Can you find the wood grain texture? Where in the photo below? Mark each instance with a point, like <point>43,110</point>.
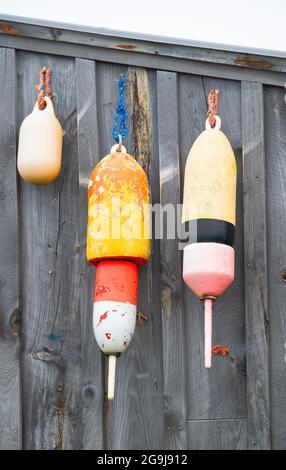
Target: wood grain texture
<point>134,420</point>
<point>255,263</point>
<point>223,434</point>
<point>174,366</point>
<point>219,392</point>
<point>10,399</point>
<point>91,356</point>
<point>50,275</point>
<point>275,139</point>
<point>160,62</point>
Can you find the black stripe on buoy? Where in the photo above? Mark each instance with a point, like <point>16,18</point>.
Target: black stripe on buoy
<point>211,230</point>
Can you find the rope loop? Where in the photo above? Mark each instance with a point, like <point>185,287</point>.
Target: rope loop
<point>121,115</point>
<point>44,84</point>
<point>212,107</point>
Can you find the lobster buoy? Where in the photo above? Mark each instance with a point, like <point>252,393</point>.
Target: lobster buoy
<point>209,206</point>
<point>118,240</point>
<point>40,145</point>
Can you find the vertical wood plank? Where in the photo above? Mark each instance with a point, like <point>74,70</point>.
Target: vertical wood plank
<point>218,434</point>
<point>50,275</point>
<point>134,420</point>
<point>255,255</point>
<point>91,357</point>
<point>10,408</point>
<point>144,144</point>
<point>275,146</point>
<point>174,373</point>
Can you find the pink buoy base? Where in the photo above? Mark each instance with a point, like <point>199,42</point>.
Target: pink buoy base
<point>208,268</point>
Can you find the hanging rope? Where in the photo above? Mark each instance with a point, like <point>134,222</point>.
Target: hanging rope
<point>212,106</point>
<point>44,83</point>
<point>120,114</point>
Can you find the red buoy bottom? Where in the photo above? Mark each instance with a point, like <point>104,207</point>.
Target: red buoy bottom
<point>115,299</point>
<point>116,280</point>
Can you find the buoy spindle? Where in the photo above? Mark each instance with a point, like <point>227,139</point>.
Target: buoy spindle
<point>111,376</point>
<point>208,333</point>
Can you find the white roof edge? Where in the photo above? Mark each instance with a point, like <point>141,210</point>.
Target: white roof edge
<point>142,36</point>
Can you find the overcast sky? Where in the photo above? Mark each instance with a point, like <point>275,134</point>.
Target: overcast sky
<point>251,23</point>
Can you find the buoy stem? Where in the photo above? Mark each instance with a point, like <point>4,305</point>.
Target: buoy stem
<point>208,333</point>
<point>111,376</point>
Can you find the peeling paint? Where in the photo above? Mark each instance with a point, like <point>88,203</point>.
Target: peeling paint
<point>102,290</point>
<point>102,317</point>
<point>118,218</point>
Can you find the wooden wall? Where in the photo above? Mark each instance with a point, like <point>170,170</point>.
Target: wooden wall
<point>52,375</point>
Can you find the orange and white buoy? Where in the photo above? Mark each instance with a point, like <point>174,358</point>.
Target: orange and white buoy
<point>209,206</point>
<point>118,240</point>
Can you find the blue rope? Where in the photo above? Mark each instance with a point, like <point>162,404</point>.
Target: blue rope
<point>120,113</point>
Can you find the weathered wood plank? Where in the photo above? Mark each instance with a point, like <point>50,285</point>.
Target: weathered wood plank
<point>219,392</point>
<point>255,254</point>
<point>50,275</point>
<point>275,140</point>
<point>91,357</point>
<point>173,327</point>
<point>224,434</point>
<point>129,57</point>
<point>135,417</point>
<point>145,44</point>
<point>10,399</point>
<point>144,144</point>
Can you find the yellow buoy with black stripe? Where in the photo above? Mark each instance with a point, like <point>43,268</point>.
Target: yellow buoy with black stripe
<point>209,206</point>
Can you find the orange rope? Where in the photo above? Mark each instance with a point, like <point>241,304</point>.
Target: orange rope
<point>45,73</point>
<point>212,106</point>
